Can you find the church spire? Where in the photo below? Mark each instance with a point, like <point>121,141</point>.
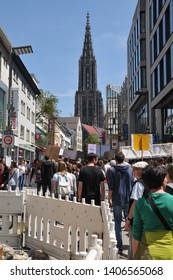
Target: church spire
<point>88,100</point>
<point>88,49</point>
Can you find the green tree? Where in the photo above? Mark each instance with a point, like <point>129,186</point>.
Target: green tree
<point>49,106</point>
<point>91,139</point>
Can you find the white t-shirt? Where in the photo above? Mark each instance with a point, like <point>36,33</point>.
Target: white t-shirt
<point>137,191</point>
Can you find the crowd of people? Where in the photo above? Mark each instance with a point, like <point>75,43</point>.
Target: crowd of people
<point>140,193</point>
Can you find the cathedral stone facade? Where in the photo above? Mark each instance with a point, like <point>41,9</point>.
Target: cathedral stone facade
<point>88,100</point>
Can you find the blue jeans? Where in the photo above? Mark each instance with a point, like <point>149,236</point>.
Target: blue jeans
<point>13,188</point>
<point>21,182</point>
<point>117,210</point>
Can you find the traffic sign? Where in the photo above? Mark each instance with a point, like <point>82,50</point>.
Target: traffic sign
<point>114,144</point>
<point>8,141</point>
<point>8,132</point>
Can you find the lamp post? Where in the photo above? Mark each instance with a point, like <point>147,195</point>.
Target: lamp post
<point>15,51</point>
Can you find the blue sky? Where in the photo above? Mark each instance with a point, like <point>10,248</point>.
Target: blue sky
<point>56,30</point>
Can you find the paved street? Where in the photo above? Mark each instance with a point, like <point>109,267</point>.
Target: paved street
<point>125,243</point>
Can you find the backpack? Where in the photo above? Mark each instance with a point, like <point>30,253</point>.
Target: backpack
<point>63,184</point>
<point>38,175</point>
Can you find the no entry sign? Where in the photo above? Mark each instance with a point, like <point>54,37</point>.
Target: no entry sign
<point>8,141</point>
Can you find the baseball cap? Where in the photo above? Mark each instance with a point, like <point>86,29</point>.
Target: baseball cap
<point>140,164</point>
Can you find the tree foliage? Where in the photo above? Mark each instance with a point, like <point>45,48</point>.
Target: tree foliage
<point>91,139</point>
<point>49,106</point>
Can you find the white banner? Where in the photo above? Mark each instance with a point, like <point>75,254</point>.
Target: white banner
<point>92,148</point>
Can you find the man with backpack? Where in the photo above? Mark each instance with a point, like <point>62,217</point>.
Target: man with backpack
<point>120,181</point>
<point>48,169</point>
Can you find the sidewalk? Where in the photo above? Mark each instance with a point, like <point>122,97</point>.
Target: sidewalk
<point>124,254</point>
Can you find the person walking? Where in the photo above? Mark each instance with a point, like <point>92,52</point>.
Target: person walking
<point>169,186</point>
<point>13,179</point>
<point>91,182</point>
<point>4,174</point>
<point>153,218</point>
<point>22,169</point>
<point>138,190</point>
<point>61,181</point>
<point>33,167</point>
<point>37,176</point>
<point>120,180</point>
<point>48,169</point>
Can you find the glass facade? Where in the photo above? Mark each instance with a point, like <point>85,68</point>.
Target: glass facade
<point>113,116</point>
<point>168,121</point>
<point>141,116</point>
<point>157,34</point>
<point>136,55</point>
<point>163,73</point>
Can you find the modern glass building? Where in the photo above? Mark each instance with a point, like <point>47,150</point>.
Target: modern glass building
<point>113,110</point>
<point>150,69</point>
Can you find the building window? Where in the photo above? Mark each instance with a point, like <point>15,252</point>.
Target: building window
<point>5,62</point>
<point>171,16</point>
<point>22,108</point>
<point>168,65</point>
<point>167,23</point>
<point>141,116</point>
<point>27,135</point>
<point>143,49</point>
<point>158,75</point>
<point>143,77</point>
<point>15,76</point>
<point>158,41</point>
<point>171,61</point>
<point>152,86</point>
<point>28,113</point>
<point>29,94</point>
<point>164,70</point>
<point>155,46</point>
<point>23,87</point>
<point>32,138</point>
<point>22,131</point>
<point>33,117</point>
<point>161,35</point>
<point>154,83</point>
<point>161,75</point>
<point>142,22</point>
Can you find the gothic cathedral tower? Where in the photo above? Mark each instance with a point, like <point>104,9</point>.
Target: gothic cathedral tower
<point>88,100</point>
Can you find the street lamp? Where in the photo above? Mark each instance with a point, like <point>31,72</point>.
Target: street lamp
<point>22,50</point>
<point>14,51</point>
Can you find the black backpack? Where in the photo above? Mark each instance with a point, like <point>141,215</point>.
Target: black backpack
<point>38,175</point>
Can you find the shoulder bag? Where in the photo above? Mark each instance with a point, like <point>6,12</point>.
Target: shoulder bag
<point>156,210</point>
